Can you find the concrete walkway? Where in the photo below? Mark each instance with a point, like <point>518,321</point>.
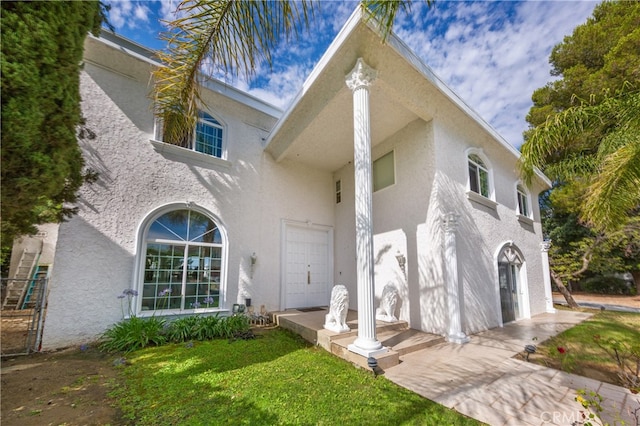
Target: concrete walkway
<point>481,379</point>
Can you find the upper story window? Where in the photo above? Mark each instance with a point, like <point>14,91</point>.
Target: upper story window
<point>478,176</point>
<point>338,191</point>
<point>182,263</point>
<point>523,201</point>
<point>207,137</point>
<point>384,173</point>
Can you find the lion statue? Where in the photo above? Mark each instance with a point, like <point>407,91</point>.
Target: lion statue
<point>388,302</point>
<point>336,319</point>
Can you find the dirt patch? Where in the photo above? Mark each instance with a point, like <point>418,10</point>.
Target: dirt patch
<point>15,330</point>
<point>599,372</point>
<point>67,387</point>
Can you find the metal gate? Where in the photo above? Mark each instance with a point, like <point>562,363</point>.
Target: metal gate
<point>22,315</point>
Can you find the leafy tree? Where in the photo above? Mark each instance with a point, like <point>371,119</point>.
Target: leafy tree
<point>42,167</point>
<point>233,36</point>
<point>585,135</point>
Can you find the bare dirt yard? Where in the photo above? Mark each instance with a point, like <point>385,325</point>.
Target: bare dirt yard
<point>71,387</point>
<point>68,387</point>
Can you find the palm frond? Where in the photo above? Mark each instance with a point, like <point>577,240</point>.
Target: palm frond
<point>386,11</point>
<point>615,190</point>
<point>233,36</point>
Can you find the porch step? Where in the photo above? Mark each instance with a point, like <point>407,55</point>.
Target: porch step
<point>397,336</point>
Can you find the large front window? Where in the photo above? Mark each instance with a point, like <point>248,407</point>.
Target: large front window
<point>183,262</point>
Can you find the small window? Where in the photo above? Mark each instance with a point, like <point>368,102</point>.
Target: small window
<point>384,172</point>
<point>523,202</point>
<point>478,176</point>
<point>206,138</point>
<point>338,191</point>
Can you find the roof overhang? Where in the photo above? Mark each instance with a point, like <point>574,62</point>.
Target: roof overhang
<point>317,128</point>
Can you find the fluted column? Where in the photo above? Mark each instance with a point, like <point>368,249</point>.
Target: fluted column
<point>359,80</point>
<point>450,224</point>
<point>546,275</point>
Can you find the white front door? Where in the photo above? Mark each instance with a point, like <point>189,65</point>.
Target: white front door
<point>307,271</point>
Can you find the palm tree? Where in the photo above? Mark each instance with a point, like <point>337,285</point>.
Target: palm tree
<point>595,147</point>
<point>233,36</point>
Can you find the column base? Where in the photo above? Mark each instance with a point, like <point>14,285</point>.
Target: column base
<point>459,338</point>
<point>367,352</point>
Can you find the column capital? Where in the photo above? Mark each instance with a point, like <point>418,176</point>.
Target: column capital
<point>361,75</point>
<point>545,245</point>
<point>450,222</point>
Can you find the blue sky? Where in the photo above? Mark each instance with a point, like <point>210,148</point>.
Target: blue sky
<point>493,54</point>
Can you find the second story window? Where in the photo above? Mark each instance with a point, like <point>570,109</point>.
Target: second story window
<point>208,135</point>
<point>478,176</point>
<point>523,202</point>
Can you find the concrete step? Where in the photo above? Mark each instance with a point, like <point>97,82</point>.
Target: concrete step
<point>408,340</point>
<point>396,336</point>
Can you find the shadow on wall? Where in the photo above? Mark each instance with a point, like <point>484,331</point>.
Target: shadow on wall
<point>90,272</point>
<point>476,271</point>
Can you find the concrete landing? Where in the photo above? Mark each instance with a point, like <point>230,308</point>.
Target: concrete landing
<point>397,336</point>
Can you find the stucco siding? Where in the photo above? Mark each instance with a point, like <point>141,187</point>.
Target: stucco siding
<point>484,228</point>
<point>98,249</point>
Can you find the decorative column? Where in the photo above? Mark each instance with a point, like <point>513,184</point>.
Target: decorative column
<point>546,275</point>
<point>450,223</point>
<point>359,80</point>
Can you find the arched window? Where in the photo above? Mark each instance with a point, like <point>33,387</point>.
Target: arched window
<point>479,176</point>
<point>207,137</point>
<point>183,263</point>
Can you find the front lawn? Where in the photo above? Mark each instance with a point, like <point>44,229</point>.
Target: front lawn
<point>589,348</point>
<point>275,379</point>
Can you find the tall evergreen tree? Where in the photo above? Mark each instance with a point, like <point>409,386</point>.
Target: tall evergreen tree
<point>42,166</point>
<point>585,135</point>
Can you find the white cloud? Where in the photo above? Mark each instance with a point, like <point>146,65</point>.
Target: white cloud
<point>493,54</point>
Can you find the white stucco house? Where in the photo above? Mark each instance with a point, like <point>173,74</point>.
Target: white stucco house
<point>376,173</point>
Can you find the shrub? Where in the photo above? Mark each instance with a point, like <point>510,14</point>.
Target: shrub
<point>133,333</point>
<point>207,328</point>
<point>182,329</point>
<point>136,333</point>
<point>606,285</point>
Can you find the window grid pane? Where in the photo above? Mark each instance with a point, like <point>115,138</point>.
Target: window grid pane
<point>194,266</point>
<point>209,139</point>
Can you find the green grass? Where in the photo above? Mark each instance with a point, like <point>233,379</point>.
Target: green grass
<point>582,354</point>
<point>275,379</point>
